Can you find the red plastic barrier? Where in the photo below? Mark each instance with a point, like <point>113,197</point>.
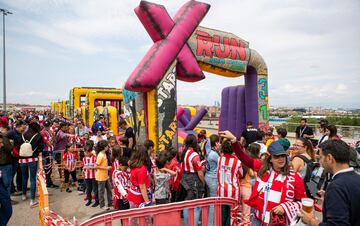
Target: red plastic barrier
<point>167,214</point>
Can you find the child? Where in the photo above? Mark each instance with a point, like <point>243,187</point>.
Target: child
<point>102,174</point>
<point>161,179</point>
<point>139,191</point>
<point>121,178</point>
<point>115,157</point>
<point>229,173</point>
<point>173,165</point>
<point>149,145</point>
<point>70,159</point>
<point>88,164</point>
<point>269,138</point>
<point>281,133</point>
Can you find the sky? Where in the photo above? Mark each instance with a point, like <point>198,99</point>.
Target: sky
<point>311,48</point>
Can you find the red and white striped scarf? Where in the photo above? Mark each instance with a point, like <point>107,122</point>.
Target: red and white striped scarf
<point>286,191</point>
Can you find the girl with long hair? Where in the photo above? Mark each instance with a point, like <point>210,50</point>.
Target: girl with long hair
<point>139,193</point>
<point>193,178</point>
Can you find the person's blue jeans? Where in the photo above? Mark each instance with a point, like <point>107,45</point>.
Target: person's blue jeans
<point>6,172</point>
<point>256,222</point>
<point>197,212</point>
<point>5,205</point>
<point>25,169</point>
<point>212,185</point>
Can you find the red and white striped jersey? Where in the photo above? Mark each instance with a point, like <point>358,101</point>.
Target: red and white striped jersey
<point>70,160</point>
<point>47,139</point>
<point>115,165</point>
<point>86,163</point>
<point>54,129</point>
<point>121,180</point>
<point>191,163</point>
<point>229,173</point>
<point>27,160</point>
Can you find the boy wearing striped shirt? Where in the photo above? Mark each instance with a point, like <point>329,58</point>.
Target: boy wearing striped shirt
<point>88,164</point>
<point>70,159</point>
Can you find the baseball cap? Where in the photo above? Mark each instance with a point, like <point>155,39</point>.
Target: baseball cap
<point>275,148</point>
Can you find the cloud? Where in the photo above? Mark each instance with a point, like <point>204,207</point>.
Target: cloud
<point>311,47</point>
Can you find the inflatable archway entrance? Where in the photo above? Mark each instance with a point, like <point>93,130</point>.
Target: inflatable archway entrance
<point>92,96</point>
<point>77,92</point>
<point>182,49</point>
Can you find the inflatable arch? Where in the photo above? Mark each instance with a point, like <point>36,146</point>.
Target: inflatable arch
<point>77,92</point>
<point>181,50</point>
<point>92,96</point>
<point>111,118</point>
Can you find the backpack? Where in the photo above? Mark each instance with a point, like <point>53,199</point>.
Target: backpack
<point>26,148</point>
<point>314,177</point>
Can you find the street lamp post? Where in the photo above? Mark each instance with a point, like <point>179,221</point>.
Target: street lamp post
<point>4,12</point>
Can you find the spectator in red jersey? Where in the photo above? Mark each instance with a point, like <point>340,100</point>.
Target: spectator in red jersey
<point>139,192</point>
<point>70,158</point>
<point>174,165</point>
<point>55,126</point>
<point>88,164</point>
<point>229,173</point>
<point>278,192</point>
<point>193,178</point>
<point>48,139</point>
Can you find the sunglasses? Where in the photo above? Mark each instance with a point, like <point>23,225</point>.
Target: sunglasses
<point>279,156</point>
<point>298,146</point>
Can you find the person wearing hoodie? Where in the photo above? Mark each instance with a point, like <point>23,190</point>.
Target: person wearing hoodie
<point>30,163</point>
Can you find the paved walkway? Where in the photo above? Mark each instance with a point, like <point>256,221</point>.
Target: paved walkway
<point>65,204</point>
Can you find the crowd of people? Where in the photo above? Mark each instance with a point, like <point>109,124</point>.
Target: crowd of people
<point>268,175</point>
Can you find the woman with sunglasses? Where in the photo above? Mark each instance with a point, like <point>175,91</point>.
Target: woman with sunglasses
<point>304,152</point>
<point>278,191</point>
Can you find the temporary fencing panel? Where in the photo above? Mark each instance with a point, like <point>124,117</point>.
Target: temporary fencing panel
<point>167,214</point>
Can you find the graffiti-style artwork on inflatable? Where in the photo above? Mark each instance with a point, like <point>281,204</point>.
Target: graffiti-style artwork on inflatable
<point>181,50</point>
<point>134,113</point>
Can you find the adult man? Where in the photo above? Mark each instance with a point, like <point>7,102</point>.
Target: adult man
<point>342,197</point>
<point>48,139</point>
<point>129,133</point>
<point>61,142</point>
<point>248,136</point>
<point>14,136</point>
<point>324,136</point>
<point>5,202</point>
<point>304,130</point>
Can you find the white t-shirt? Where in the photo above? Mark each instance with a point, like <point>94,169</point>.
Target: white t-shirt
<point>96,140</point>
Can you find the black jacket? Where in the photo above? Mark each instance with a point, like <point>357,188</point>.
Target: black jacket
<point>342,200</point>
